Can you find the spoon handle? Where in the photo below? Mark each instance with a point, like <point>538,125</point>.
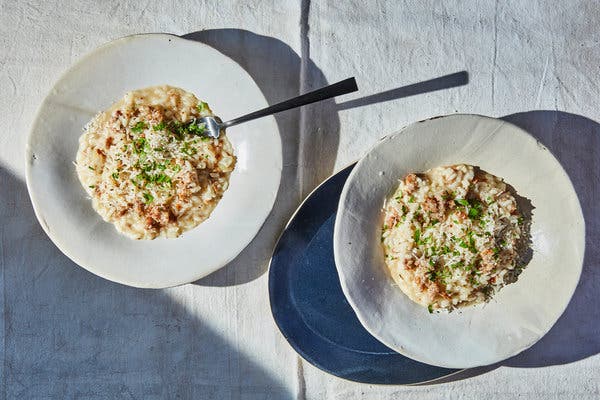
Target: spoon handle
<point>337,89</point>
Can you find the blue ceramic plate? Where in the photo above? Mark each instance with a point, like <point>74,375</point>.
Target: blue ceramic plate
<point>310,308</point>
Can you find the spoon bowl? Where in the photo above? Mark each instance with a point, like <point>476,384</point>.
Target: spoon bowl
<point>212,126</point>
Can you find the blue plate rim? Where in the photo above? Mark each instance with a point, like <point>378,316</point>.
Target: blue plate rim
<point>299,351</point>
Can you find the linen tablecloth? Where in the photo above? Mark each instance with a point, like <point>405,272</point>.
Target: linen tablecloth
<point>66,333</point>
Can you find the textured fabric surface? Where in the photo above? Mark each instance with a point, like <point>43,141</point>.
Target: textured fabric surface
<point>66,333</point>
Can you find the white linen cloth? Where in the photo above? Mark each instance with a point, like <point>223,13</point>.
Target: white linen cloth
<point>66,333</point>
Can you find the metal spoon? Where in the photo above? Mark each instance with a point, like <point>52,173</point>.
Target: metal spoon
<point>214,125</point>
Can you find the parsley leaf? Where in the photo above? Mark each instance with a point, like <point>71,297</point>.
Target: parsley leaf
<point>140,145</point>
<point>202,107</point>
<point>475,209</point>
<point>148,198</point>
<point>432,275</point>
<point>159,127</point>
<point>417,236</point>
<point>140,126</point>
<point>196,129</point>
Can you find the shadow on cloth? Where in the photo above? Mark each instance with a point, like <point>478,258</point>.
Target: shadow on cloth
<point>575,142</point>
<point>309,140</point>
<point>276,69</point>
<point>70,334</point>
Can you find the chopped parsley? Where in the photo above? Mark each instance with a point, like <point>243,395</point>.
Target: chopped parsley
<point>186,149</point>
<point>433,250</point>
<point>430,308</point>
<point>140,145</point>
<point>432,275</point>
<point>472,246</point>
<point>444,274</point>
<point>473,207</point>
<point>92,186</point>
<point>159,127</point>
<point>417,236</point>
<point>162,178</point>
<point>115,175</point>
<point>475,210</point>
<point>180,129</point>
<point>92,168</point>
<point>138,127</point>
<point>148,198</point>
<point>448,195</point>
<point>411,199</point>
<point>196,129</point>
<point>202,107</point>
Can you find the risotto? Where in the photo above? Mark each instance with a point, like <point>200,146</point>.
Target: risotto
<point>148,166</point>
<point>451,236</point>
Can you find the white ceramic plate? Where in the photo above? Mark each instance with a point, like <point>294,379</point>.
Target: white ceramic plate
<point>521,313</point>
<point>92,85</point>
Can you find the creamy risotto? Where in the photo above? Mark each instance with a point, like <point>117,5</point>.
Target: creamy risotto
<point>148,166</point>
<point>451,236</point>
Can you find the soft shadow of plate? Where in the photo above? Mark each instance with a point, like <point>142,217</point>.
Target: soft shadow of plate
<point>311,311</point>
<point>92,85</point>
<point>521,313</point>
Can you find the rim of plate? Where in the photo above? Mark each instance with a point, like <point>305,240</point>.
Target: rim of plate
<point>336,234</point>
<point>303,354</point>
<point>28,166</point>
